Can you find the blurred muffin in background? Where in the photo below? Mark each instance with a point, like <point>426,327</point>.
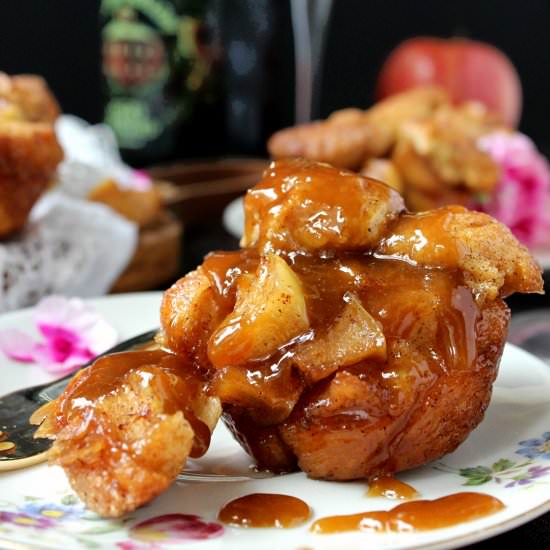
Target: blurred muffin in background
<point>141,206</point>
<point>439,158</point>
<point>350,136</point>
<point>29,151</point>
<point>435,153</point>
<point>416,141</point>
<point>156,260</point>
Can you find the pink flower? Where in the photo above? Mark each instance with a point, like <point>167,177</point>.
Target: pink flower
<point>522,197</point>
<point>140,180</point>
<point>74,333</point>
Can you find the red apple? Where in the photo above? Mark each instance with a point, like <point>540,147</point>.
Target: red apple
<point>467,69</point>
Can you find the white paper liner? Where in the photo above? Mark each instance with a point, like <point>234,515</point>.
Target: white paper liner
<point>70,246</point>
<point>91,156</point>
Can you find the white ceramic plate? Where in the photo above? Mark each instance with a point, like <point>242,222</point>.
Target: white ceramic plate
<point>542,257</point>
<point>233,217</point>
<point>39,510</point>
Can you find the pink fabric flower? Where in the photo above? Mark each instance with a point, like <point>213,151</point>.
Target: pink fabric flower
<point>522,197</point>
<point>74,333</point>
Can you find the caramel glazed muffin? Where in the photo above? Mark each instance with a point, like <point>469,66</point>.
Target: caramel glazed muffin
<point>29,151</point>
<point>347,337</point>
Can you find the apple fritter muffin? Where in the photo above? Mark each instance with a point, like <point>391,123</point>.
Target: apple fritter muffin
<point>348,337</point>
<point>350,136</point>
<point>29,151</point>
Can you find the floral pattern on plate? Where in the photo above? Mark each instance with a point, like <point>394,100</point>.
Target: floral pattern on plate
<point>68,519</point>
<point>509,472</point>
<point>534,448</point>
<point>71,519</point>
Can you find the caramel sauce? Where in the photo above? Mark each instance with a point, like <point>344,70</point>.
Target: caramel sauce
<point>422,237</point>
<point>224,269</point>
<point>174,379</point>
<point>325,212</point>
<point>265,510</point>
<point>419,515</point>
<point>428,317</point>
<point>262,442</point>
<point>393,292</point>
<point>391,488</point>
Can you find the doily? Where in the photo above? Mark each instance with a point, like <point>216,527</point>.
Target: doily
<point>70,246</point>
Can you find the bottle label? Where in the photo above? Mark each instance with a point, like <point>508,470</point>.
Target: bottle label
<point>152,68</point>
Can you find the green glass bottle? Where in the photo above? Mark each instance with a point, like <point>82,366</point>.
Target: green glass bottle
<point>154,70</point>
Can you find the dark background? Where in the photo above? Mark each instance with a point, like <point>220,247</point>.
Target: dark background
<point>60,40</point>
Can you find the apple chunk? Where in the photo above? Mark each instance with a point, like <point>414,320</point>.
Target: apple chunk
<point>190,313</point>
<point>355,335</point>
<point>270,310</point>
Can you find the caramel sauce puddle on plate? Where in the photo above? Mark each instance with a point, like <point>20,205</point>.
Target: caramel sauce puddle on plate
<point>391,488</point>
<point>265,510</point>
<point>419,515</point>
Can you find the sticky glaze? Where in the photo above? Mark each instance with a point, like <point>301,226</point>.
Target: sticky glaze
<point>391,488</point>
<point>433,309</point>
<point>174,379</point>
<point>419,515</point>
<point>265,510</point>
